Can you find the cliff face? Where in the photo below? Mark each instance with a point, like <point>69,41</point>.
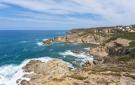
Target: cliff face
<point>113,47</point>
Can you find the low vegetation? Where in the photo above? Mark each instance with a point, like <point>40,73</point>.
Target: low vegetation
<point>132,44</point>
<point>128,35</point>
<point>77,76</point>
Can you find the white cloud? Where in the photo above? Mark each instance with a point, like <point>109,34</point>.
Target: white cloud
<point>112,11</point>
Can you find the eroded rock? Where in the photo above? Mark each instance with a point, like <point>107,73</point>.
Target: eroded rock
<point>44,72</point>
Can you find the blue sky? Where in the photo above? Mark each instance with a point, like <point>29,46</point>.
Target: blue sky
<point>64,14</point>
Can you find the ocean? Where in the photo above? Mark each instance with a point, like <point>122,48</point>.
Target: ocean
<point>18,47</point>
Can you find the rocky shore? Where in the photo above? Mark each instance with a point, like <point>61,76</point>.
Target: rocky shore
<point>92,35</point>
<point>113,64</point>
<point>56,72</point>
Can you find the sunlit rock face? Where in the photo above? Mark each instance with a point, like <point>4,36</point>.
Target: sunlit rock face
<point>43,73</point>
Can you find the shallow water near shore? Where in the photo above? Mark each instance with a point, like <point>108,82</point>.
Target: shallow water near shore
<point>19,47</point>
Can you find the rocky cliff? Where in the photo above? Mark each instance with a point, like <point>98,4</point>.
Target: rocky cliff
<point>113,64</point>
<point>92,35</point>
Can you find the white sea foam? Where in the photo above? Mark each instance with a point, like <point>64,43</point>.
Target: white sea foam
<point>40,44</point>
<point>44,39</point>
<point>9,74</point>
<point>82,56</point>
<point>87,48</point>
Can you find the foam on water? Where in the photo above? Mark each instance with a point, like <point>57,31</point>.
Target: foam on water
<point>9,74</point>
<point>82,56</point>
<point>87,49</point>
<point>40,43</point>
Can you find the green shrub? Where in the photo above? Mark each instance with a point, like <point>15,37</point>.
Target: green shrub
<point>128,35</point>
<point>132,44</point>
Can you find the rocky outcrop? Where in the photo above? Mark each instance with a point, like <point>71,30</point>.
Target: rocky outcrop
<point>91,35</point>
<point>56,72</point>
<point>83,37</point>
<point>44,73</point>
<point>99,52</point>
<point>48,41</point>
<point>121,51</point>
<point>119,42</point>
<point>111,48</point>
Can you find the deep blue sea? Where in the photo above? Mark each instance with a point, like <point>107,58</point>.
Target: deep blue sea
<point>17,46</point>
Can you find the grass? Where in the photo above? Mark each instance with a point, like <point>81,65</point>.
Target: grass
<point>124,35</point>
<point>128,35</point>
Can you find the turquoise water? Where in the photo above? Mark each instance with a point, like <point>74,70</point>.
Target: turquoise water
<point>17,46</point>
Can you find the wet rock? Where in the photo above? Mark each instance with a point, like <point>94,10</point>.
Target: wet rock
<point>24,82</point>
<point>48,41</point>
<point>60,39</point>
<point>76,51</point>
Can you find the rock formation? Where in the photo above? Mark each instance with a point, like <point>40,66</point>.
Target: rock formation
<point>113,64</point>
<point>92,35</point>
<point>45,73</point>
<point>56,72</point>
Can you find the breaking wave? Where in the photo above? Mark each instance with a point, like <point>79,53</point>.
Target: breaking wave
<point>40,44</point>
<point>81,56</point>
<point>9,74</point>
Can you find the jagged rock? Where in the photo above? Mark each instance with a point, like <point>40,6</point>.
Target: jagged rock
<point>99,51</point>
<point>60,39</point>
<point>56,72</point>
<point>47,42</point>
<point>121,51</point>
<point>24,82</point>
<point>115,47</point>
<point>44,72</point>
<point>118,43</point>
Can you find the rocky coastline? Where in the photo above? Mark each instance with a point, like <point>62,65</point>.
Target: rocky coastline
<point>113,64</point>
<point>92,35</point>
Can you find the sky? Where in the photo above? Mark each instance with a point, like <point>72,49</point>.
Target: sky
<point>64,14</point>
